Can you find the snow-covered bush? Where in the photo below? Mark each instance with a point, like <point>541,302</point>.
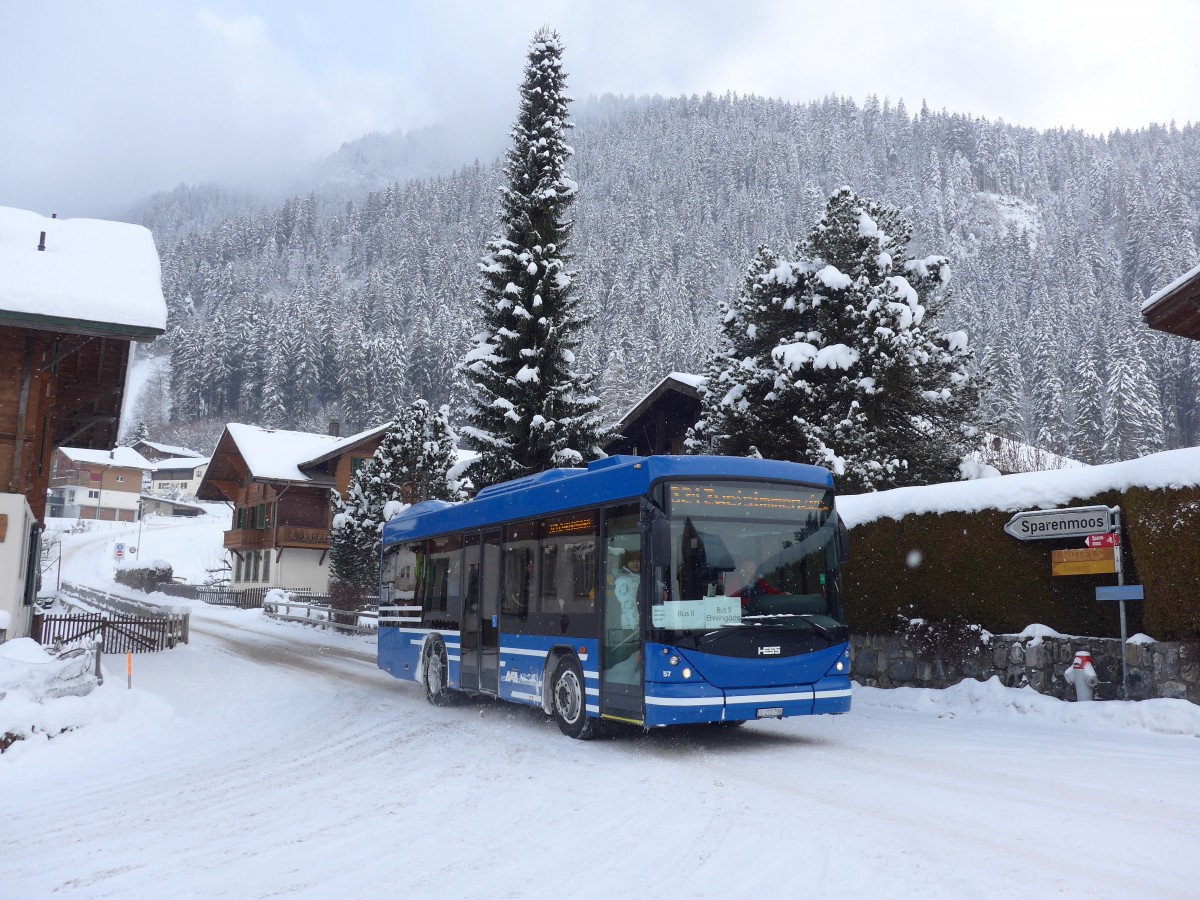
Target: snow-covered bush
<point>145,576</point>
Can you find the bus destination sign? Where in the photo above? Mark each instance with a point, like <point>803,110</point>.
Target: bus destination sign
<point>1049,524</point>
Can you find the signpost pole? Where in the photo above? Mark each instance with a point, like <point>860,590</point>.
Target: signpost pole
<point>1120,583</point>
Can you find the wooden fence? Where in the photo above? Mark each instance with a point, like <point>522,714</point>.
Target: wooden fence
<point>251,598</point>
<point>117,634</point>
<point>123,625</point>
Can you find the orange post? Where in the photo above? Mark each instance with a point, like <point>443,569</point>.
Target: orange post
<point>129,669</point>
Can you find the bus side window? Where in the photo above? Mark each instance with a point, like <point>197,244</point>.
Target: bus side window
<point>471,572</point>
<point>445,562</point>
<point>569,551</point>
<point>411,568</point>
<point>520,569</point>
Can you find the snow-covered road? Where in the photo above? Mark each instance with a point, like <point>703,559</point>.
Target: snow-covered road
<point>267,758</point>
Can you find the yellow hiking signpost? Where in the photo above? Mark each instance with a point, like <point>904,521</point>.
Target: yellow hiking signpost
<point>1092,561</point>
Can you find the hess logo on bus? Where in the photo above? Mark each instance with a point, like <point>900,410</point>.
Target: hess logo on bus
<point>768,651</point>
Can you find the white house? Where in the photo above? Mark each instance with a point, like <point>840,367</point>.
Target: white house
<point>97,484</point>
<point>20,549</point>
<point>179,477</point>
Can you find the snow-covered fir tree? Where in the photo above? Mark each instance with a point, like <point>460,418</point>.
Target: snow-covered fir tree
<point>835,358</point>
<point>411,463</point>
<point>529,408</point>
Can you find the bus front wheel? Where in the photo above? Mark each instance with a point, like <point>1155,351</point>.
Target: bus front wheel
<point>435,670</point>
<point>569,700</point>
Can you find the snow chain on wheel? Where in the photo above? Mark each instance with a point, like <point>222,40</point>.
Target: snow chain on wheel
<point>435,668</point>
<point>569,700</point>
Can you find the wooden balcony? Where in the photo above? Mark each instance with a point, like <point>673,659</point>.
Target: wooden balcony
<point>295,536</point>
<point>247,539</point>
<point>283,536</point>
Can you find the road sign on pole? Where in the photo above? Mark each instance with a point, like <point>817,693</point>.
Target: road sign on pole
<point>1103,540</point>
<point>1049,524</point>
<point>1121,592</point>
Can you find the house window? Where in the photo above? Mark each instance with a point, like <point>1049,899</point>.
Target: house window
<point>93,495</point>
<point>266,570</point>
<point>254,577</point>
<point>120,479</point>
<point>237,572</point>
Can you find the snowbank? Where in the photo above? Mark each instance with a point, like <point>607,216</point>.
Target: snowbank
<point>992,700</point>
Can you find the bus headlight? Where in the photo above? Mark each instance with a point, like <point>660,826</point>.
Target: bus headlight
<point>842,666</point>
<point>674,660</point>
<point>687,672</point>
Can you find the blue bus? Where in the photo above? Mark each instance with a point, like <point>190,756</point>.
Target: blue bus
<point>535,592</point>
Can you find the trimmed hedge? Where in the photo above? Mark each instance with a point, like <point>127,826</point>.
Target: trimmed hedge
<point>145,577</point>
<point>1164,534</point>
<point>964,565</point>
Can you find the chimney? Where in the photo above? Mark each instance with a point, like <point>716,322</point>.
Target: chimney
<point>335,428</point>
<point>42,241</point>
<point>54,215</point>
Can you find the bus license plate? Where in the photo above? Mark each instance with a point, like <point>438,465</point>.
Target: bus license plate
<point>771,712</point>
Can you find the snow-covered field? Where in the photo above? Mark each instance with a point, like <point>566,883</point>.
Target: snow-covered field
<point>266,759</point>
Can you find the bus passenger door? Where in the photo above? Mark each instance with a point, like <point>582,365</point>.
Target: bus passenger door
<point>489,618</point>
<point>622,686</point>
<point>469,637</point>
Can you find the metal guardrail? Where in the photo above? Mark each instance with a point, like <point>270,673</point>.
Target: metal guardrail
<point>322,616</point>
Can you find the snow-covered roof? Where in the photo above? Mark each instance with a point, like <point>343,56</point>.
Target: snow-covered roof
<point>344,444</point>
<point>94,277</point>
<point>186,462</point>
<point>1026,490</point>
<point>274,455</point>
<point>125,457</point>
<point>1176,308</point>
<point>178,452</point>
<point>1170,288</point>
<point>688,381</point>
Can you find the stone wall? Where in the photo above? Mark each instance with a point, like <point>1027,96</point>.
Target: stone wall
<point>1159,669</point>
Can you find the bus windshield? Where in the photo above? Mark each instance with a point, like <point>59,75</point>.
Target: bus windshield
<point>748,554</point>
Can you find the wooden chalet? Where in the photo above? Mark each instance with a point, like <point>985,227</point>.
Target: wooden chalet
<point>279,484</point>
<point>1176,308</point>
<point>659,422</point>
<point>74,294</point>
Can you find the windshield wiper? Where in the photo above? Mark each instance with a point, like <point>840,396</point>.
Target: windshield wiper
<point>784,620</point>
<point>821,629</point>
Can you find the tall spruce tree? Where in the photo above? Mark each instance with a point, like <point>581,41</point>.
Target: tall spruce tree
<point>529,410</point>
<point>835,359</point>
<point>412,463</point>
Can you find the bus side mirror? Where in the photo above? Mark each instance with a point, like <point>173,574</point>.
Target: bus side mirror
<point>843,542</point>
<point>655,522</point>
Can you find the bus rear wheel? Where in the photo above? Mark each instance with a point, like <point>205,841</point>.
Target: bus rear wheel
<point>435,670</point>
<point>569,700</point>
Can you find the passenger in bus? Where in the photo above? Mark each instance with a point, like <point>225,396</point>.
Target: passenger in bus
<point>626,586</point>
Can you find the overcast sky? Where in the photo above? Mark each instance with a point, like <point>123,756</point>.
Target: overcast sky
<point>102,103</point>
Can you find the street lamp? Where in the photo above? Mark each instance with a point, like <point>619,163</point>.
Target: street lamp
<point>137,551</point>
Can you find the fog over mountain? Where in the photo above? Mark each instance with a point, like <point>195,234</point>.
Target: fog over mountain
<point>353,294</point>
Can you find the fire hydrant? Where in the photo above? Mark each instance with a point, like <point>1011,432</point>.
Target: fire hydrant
<point>1081,674</point>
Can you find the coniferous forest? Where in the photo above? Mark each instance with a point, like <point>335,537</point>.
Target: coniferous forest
<point>313,308</point>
